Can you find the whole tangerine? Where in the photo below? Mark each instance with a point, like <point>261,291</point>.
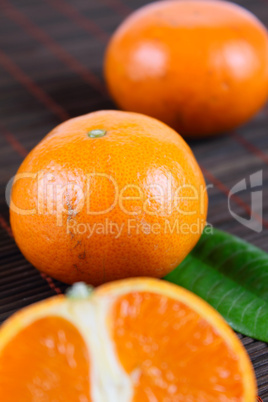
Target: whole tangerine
<point>108,195</point>
<point>199,66</point>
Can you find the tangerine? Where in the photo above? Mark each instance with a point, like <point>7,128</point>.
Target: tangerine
<point>132,340</point>
<point>199,66</point>
<point>107,196</point>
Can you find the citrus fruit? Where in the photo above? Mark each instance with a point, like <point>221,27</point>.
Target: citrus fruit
<point>106,196</point>
<point>199,66</point>
<point>131,340</point>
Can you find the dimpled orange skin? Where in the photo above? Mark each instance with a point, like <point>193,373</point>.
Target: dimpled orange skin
<point>71,204</point>
<point>199,66</point>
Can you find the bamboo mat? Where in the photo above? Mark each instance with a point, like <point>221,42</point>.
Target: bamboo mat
<point>51,54</point>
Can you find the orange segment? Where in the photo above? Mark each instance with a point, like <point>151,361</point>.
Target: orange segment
<point>46,361</point>
<point>171,352</point>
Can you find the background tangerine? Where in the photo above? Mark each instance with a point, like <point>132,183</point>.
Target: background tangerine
<point>199,66</point>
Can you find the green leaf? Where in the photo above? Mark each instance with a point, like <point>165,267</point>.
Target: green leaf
<point>232,276</point>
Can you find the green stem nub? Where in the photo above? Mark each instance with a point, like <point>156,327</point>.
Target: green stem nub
<point>98,133</point>
<point>79,291</point>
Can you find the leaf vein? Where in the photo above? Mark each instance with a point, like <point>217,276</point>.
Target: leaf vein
<point>223,297</point>
<point>257,316</point>
<point>235,301</point>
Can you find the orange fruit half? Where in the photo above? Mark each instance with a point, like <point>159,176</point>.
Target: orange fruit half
<point>131,340</point>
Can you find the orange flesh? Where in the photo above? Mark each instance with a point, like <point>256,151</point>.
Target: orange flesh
<point>173,354</point>
<point>46,361</point>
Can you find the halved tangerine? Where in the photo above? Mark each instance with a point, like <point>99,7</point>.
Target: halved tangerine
<point>132,340</point>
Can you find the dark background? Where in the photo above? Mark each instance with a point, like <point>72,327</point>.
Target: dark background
<point>51,54</point>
